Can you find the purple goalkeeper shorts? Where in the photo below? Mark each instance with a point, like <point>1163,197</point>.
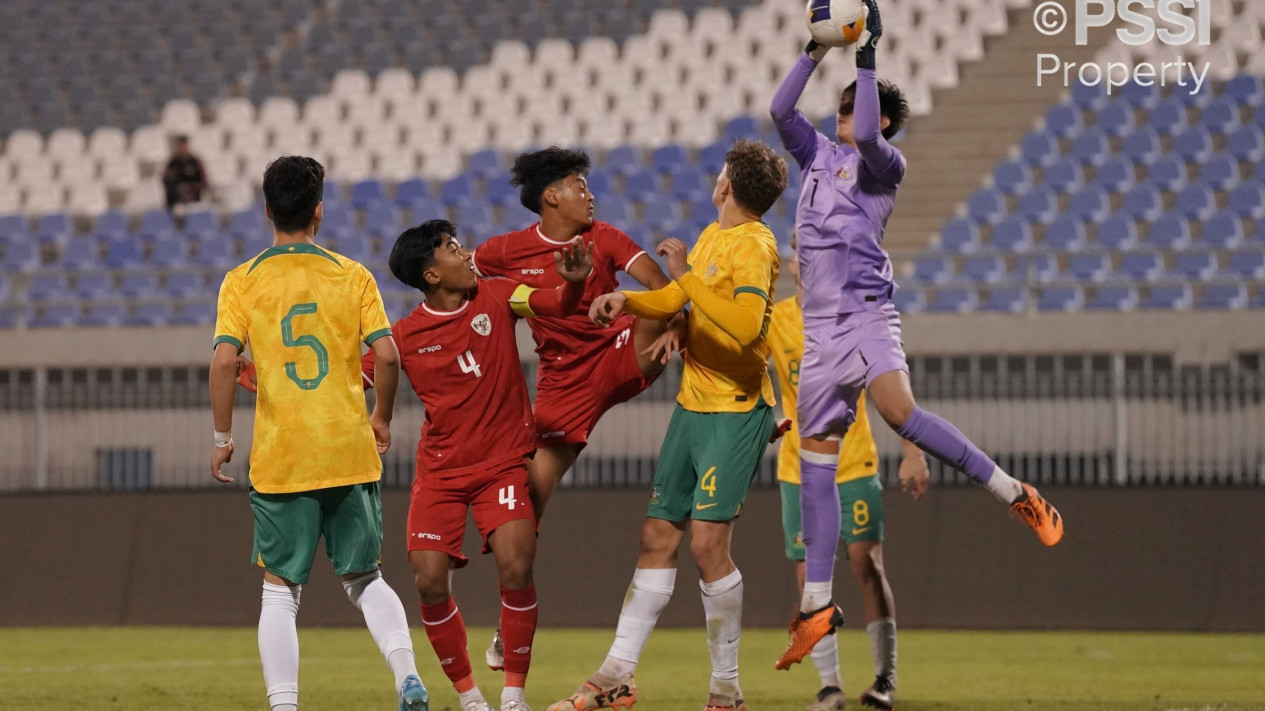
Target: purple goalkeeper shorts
<point>842,356</point>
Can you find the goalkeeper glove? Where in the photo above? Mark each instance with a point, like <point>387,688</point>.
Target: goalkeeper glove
<point>874,26</point>
<point>816,52</point>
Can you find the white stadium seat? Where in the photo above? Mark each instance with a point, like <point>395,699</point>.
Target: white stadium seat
<point>23,143</point>
<point>350,83</point>
<point>180,116</point>
<point>43,199</point>
<point>236,111</point>
<point>279,112</point>
<point>65,143</point>
<point>88,199</point>
<point>107,143</point>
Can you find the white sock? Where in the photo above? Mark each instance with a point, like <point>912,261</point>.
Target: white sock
<point>816,596</point>
<point>385,618</point>
<point>466,697</point>
<point>722,603</point>
<point>279,644</point>
<point>882,634</point>
<point>826,659</point>
<point>1005,487</point>
<point>649,593</point>
<point>513,693</point>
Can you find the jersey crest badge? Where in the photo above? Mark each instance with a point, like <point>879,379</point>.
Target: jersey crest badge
<point>481,324</point>
<point>711,270</point>
<point>844,174</point>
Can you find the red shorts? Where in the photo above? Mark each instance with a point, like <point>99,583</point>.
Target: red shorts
<point>567,410</point>
<point>437,507</point>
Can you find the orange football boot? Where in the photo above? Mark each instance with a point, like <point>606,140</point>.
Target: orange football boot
<point>1040,516</point>
<point>806,630</point>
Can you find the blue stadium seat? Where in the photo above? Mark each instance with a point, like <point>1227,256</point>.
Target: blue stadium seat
<point>1258,237</point>
<point>640,235</point>
<point>983,268</point>
<point>619,212</point>
<point>151,314</point>
<point>1089,97</point>
<point>484,164</point>
<point>712,156</point>
<point>367,192</point>
<point>987,205</point>
<point>623,160</point>
<point>1197,201</point>
<point>91,286</point>
<point>641,185</point>
<point>690,184</point>
<point>1246,143</point>
<point>14,225</point>
<point>1221,172</point>
<point>251,220</point>
<point>1064,234</point>
<point>111,223</point>
<point>201,222</point>
<point>959,235</point>
<point>1223,230</point>
<point>1116,175</point>
<point>601,184</point>
<point>20,257</point>
<point>1113,297</point>
<point>1245,90</point>
<point>56,316</point>
<point>1168,173</point>
<point>1091,203</point>
<point>383,220</point>
<point>170,252</point>
<point>12,316</point>
<point>1116,119</point>
<point>1092,147</point>
<point>48,286</point>
<point>1170,231</point>
<point>1005,299</point>
<point>1012,177</point>
<point>953,300</point>
<point>1061,297</point>
<point>1169,117</point>
<point>1063,120</point>
<point>458,189</point>
<point>356,247</point>
<point>1168,297</point>
<point>662,215</point>
<point>1246,263</point>
<point>1222,295</point>
<point>1196,266</point>
<point>1141,266</point>
<point>139,285</point>
<point>156,224</point>
<point>103,316</point>
<point>1139,95</point>
<point>1013,234</point>
<point>668,158</point>
<point>1248,199</point>
<point>199,313</point>
<point>81,253</point>
<point>1039,204</point>
<point>214,250</point>
<point>1065,175</point>
<point>255,242</point>
<point>331,193</point>
<point>122,253</point>
<point>1192,96</point>
<point>932,270</point>
<point>741,127</point>
<point>1143,202</point>
<point>909,300</point>
<point>1040,148</point>
<point>1258,115</point>
<point>412,190</point>
<point>1258,301</point>
<point>1221,116</point>
<point>1089,266</point>
<point>1194,144</point>
<point>1034,269</point>
<point>1142,146</point>
<point>56,228</point>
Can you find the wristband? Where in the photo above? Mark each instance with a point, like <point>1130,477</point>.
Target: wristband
<point>223,439</point>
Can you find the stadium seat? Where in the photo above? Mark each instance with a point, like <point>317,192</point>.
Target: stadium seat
<point>623,160</point>
<point>689,184</point>
<point>200,313</point>
<point>953,300</point>
<point>1116,174</point>
<point>1196,266</point>
<point>1248,199</point>
<point>960,236</point>
<point>1091,204</point>
<point>1040,148</point>
<point>411,191</point>
<point>1168,296</point>
<point>1117,232</point>
<point>1197,201</point>
<point>1089,97</point>
<point>1246,264</point>
<point>1005,299</point>
<point>1116,119</point>
<point>1170,231</point>
<point>1113,297</point>
<point>93,285</point>
<point>1064,234</point>
<point>1141,266</point>
<point>1012,177</point>
<point>1039,204</point>
<point>1063,297</point>
<point>367,192</point>
<point>932,270</point>
<point>642,185</point>
<point>1223,230</point>
<point>458,189</point>
<point>1168,173</point>
<point>668,158</point>
<point>1033,269</point>
<point>81,253</point>
<point>1142,146</point>
<point>1245,90</point>
<point>1063,120</point>
<point>1258,301</point>
<point>156,224</point>
<point>103,316</point>
<point>1089,266</point>
<point>138,285</point>
<point>168,253</point>
<point>48,286</point>
<point>54,229</point>
<point>485,163</point>
<point>1222,295</point>
<point>1169,117</point>
<point>1193,144</point>
<point>1143,202</point>
<point>909,300</point>
<point>152,314</point>
<point>1065,175</point>
<point>111,224</point>
<point>1141,96</point>
<point>1246,143</point>
<point>1221,116</point>
<point>1013,234</point>
<point>1092,147</point>
<point>983,268</point>
<point>56,316</point>
<point>1221,172</point>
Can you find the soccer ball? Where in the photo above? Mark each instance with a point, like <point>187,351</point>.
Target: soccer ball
<point>836,23</point>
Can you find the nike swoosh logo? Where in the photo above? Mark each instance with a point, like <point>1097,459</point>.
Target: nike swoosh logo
<point>700,507</point>
<point>859,531</point>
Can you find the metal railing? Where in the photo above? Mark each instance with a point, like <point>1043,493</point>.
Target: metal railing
<point>1098,419</point>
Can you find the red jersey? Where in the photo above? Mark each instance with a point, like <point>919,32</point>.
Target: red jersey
<point>527,256</point>
<point>464,366</point>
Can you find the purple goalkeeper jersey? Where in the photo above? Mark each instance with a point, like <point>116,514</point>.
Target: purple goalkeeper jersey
<point>846,196</point>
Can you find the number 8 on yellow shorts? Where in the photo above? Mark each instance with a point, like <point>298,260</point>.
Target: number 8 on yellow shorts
<point>707,462</point>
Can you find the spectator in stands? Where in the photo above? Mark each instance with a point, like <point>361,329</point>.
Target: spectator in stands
<point>184,179</point>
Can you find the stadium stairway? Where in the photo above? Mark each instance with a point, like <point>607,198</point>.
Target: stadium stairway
<point>975,125</point>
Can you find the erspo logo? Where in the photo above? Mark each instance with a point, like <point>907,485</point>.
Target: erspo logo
<point>1173,23</point>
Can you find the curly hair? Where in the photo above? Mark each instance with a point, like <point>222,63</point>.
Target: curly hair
<point>534,172</point>
<point>757,174</point>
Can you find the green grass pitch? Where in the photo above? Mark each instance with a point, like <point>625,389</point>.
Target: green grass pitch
<point>218,670</point>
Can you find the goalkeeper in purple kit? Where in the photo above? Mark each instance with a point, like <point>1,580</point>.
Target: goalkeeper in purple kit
<point>852,337</point>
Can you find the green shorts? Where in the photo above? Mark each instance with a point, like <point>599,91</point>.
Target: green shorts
<point>707,462</point>
<point>288,527</point>
<point>860,506</point>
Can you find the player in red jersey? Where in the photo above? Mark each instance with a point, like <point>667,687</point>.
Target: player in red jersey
<point>585,369</point>
<point>459,352</point>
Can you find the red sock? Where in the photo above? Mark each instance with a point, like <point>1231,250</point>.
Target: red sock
<point>518,628</point>
<point>447,633</point>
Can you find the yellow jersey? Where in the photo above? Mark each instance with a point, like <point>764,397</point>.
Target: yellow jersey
<point>305,311</point>
<point>721,374</point>
<point>858,454</point>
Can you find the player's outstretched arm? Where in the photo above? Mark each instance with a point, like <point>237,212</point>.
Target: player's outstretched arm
<point>796,131</point>
<point>881,159</point>
<point>741,316</point>
<point>386,379</point>
<point>223,377</point>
